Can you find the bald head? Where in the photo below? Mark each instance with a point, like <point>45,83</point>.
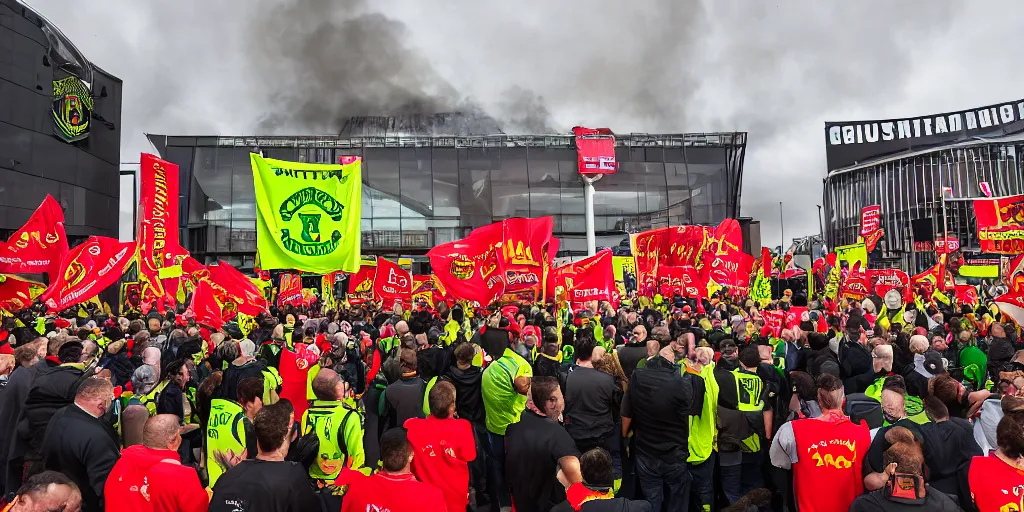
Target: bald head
<point>161,432</point>
<point>326,384</point>
<point>401,328</point>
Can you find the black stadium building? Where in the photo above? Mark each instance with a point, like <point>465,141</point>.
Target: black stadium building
<point>902,165</point>
<point>60,130</point>
<point>430,179</point>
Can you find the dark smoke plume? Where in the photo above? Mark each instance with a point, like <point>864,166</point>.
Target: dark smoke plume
<point>776,69</point>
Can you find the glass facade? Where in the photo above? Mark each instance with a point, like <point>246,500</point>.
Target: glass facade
<point>909,188</point>
<point>420,191</point>
<point>82,175</point>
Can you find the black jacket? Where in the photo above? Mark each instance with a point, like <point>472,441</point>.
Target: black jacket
<point>469,398</point>
<point>592,401</point>
<point>12,402</point>
<point>86,457</point>
<point>52,389</point>
<point>949,447</point>
<point>660,401</point>
<point>934,501</point>
<point>855,365</point>
<point>612,505</point>
<point>630,354</point>
<point>405,400</point>
<point>121,368</point>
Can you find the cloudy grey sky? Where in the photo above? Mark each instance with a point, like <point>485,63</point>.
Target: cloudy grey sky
<point>777,70</point>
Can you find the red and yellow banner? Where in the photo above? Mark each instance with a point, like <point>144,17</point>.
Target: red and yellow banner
<point>589,279</point>
<point>471,269</point>
<point>290,290</point>
<point>39,245</point>
<point>17,294</point>
<point>425,289</point>
<point>360,284</point>
<point>158,244</point>
<point>88,269</point>
<point>1001,224</point>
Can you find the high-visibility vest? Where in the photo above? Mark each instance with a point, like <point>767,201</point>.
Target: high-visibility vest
<point>748,391</point>
<point>150,399</point>
<point>329,421</point>
<point>225,431</point>
<point>749,388</point>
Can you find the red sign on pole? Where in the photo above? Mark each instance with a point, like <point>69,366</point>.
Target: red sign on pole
<point>870,226</point>
<point>595,148</point>
<point>946,245</point>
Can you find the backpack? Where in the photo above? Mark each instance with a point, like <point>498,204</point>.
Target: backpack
<point>862,407</point>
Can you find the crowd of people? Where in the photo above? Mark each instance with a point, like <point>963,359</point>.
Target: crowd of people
<point>668,404</point>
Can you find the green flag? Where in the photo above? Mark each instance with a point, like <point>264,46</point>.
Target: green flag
<point>308,214</point>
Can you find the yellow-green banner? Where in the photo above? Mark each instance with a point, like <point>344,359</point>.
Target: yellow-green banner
<point>624,270</point>
<point>308,214</point>
<point>853,253</point>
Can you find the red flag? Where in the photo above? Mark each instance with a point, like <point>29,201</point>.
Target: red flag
<point>392,284</point>
<point>39,245</point>
<point>204,307</point>
<point>158,220</point>
<point>588,279</point>
<point>470,269</point>
<point>1001,224</point>
<point>360,284</point>
<point>525,245</point>
<point>1011,303</point>
<point>17,294</point>
<point>856,284</point>
<point>885,279</point>
<point>647,250</point>
<point>722,259</point>
<point>231,285</point>
<point>931,279</point>
<point>966,294</point>
<point>87,269</point>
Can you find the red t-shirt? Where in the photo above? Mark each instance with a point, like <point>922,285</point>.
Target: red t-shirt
<point>393,493</point>
<point>831,453</point>
<point>995,485</point>
<point>441,451</point>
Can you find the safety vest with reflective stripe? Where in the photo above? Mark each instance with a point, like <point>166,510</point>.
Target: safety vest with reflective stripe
<point>225,431</point>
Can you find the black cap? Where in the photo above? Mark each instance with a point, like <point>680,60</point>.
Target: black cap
<point>933,362</point>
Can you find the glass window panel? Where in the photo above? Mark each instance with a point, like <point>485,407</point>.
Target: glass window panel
<point>243,193</point>
<point>545,187</point>
<point>509,185</point>
<point>574,224</point>
<point>415,180</point>
<point>212,171</point>
<point>381,166</point>
<point>475,165</point>
<point>618,194</point>
<point>679,193</point>
<point>243,235</point>
<point>445,167</point>
<point>571,188</point>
